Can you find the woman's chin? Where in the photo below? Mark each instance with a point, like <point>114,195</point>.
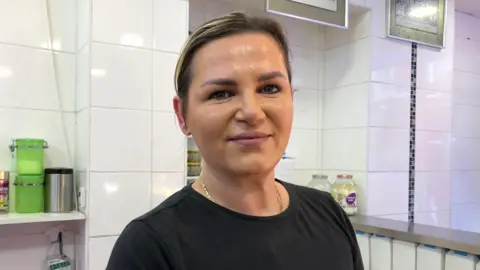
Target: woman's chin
<point>252,166</point>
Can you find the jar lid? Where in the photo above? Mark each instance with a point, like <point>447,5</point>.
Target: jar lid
<point>4,175</point>
<point>58,171</point>
<point>345,176</point>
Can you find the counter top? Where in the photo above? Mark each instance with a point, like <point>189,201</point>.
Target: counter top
<point>417,233</point>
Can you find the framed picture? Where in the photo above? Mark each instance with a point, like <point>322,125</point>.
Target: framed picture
<point>325,12</point>
<point>420,21</point>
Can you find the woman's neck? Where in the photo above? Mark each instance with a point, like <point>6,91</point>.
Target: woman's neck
<point>256,195</point>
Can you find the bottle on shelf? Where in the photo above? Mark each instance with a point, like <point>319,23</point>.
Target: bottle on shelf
<point>344,191</point>
<point>320,182</point>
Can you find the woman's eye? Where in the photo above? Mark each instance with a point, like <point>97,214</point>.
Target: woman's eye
<point>269,89</point>
<point>220,95</point>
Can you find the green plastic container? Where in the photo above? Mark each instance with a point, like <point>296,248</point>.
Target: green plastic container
<point>29,198</point>
<point>30,179</point>
<point>29,156</point>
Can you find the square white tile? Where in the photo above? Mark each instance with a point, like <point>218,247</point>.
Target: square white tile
<point>466,26</point>
<point>28,80</point>
<point>131,24</point>
<point>82,79</point>
<point>435,68</point>
<point>389,67</point>
<point>115,200</point>
<point>83,23</point>
<point>300,33</point>
<point>171,25</point>
<point>63,25</point>
<point>432,151</point>
<point>196,14</point>
<point>303,147</point>
<point>467,55</point>
<point>465,186</point>
<point>359,27</point>
<point>306,109</point>
<point>389,105</point>
<point>82,139</point>
<point>169,144</point>
<point>120,140</point>
<point>163,80</point>
<point>320,108</point>
<point>433,110</point>
<point>345,149</point>
<point>346,107</point>
<point>465,122</point>
<point>320,149</point>
<point>215,9</point>
<point>99,250</point>
<point>305,68</point>
<point>164,185</point>
<point>432,191</point>
<point>465,88</point>
<point>387,193</point>
<point>23,23</point>
<point>388,149</point>
<point>121,77</point>
<point>466,217</point>
<point>345,65</point>
<point>465,153</point>
<point>378,21</point>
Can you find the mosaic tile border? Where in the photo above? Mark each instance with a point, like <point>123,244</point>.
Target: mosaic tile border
<point>411,164</point>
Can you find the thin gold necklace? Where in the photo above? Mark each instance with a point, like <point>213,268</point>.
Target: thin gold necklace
<point>279,198</point>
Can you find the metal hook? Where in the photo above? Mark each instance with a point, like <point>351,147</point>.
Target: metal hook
<point>60,243</point>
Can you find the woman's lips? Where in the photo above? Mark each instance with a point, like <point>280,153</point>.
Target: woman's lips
<point>252,142</point>
<point>250,139</point>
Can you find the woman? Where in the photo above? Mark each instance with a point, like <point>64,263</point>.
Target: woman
<point>234,96</point>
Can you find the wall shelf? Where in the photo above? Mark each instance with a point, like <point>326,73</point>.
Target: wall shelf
<point>16,218</point>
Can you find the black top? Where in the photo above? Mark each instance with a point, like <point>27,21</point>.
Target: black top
<point>189,232</point>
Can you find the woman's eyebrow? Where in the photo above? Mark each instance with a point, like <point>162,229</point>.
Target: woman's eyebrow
<point>271,75</point>
<point>229,82</point>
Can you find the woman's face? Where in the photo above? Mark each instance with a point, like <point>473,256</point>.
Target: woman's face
<point>240,105</point>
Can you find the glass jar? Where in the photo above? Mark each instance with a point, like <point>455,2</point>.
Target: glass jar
<point>344,191</point>
<point>320,182</point>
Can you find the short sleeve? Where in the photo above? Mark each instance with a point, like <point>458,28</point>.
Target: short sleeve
<point>139,248</point>
<point>357,256</point>
<point>355,248</point>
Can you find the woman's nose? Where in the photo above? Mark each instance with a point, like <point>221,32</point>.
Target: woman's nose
<point>250,110</point>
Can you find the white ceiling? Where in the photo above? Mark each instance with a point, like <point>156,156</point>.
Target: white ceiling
<point>468,6</point>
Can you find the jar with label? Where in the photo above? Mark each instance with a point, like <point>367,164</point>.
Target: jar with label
<point>344,191</point>
<point>320,182</point>
<point>4,192</point>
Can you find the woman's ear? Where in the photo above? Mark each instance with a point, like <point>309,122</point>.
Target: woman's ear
<point>178,107</point>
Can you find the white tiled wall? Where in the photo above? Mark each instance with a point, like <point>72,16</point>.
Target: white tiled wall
<point>30,106</point>
<point>345,103</point>
<point>433,125</point>
<point>132,143</point>
<point>465,185</point>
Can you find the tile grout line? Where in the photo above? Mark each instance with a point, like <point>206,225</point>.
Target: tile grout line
<point>411,164</point>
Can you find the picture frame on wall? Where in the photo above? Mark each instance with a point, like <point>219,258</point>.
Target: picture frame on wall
<point>325,12</point>
<point>420,21</point>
